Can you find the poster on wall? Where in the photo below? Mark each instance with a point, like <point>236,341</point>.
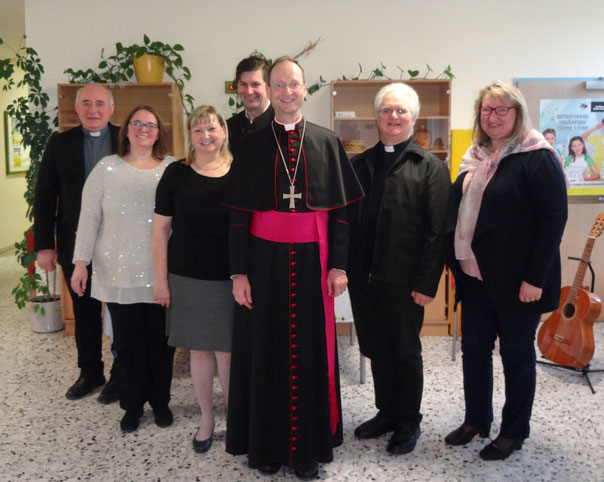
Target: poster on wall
<point>575,128</point>
<point>17,156</point>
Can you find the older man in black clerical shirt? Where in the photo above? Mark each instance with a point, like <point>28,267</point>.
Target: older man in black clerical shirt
<point>67,161</point>
<point>396,259</point>
<point>289,186</point>
<point>251,76</point>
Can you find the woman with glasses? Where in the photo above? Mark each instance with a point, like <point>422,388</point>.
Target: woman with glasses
<point>192,264</point>
<point>505,220</point>
<point>114,232</point>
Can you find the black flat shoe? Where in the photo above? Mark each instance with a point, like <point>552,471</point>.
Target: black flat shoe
<point>403,442</point>
<point>269,469</point>
<point>84,386</point>
<point>307,471</point>
<point>163,416</point>
<point>109,394</point>
<point>202,446</point>
<point>373,428</point>
<point>501,448</point>
<point>129,422</point>
<point>464,434</point>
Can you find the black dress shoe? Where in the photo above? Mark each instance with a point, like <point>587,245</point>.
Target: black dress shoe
<point>163,416</point>
<point>202,446</point>
<point>307,471</point>
<point>84,386</point>
<point>130,421</point>
<point>373,428</point>
<point>501,448</point>
<point>465,434</point>
<point>109,394</point>
<point>269,469</point>
<point>403,441</point>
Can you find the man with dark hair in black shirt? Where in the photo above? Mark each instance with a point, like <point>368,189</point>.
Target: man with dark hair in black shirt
<point>251,76</point>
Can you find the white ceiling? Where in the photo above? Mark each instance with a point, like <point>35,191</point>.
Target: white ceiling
<point>12,24</point>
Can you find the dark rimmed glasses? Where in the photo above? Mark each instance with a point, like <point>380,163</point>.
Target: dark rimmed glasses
<point>501,110</point>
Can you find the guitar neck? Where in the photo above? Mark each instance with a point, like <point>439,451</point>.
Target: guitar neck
<point>580,275</point>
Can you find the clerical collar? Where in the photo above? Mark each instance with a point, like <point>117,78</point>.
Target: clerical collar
<point>97,134</point>
<point>252,120</point>
<point>397,147</point>
<point>289,127</point>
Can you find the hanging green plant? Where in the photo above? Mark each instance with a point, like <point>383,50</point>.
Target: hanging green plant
<point>378,73</point>
<point>119,66</point>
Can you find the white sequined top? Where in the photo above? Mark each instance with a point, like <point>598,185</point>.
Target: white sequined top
<point>114,230</point>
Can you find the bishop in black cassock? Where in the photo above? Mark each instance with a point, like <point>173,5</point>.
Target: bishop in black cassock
<point>288,188</point>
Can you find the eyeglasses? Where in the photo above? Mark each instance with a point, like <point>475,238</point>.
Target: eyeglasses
<point>388,111</point>
<point>139,125</point>
<point>283,85</point>
<point>501,110</point>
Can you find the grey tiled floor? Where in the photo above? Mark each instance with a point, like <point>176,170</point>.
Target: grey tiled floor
<point>43,436</point>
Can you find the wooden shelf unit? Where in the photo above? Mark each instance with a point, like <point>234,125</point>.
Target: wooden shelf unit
<point>353,119</point>
<point>163,97</point>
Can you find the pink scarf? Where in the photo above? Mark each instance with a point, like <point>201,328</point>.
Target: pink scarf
<point>483,164</point>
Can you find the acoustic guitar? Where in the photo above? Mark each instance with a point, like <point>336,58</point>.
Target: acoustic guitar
<point>567,337</point>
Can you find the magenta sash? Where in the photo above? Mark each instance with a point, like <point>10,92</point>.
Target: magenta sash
<point>283,227</point>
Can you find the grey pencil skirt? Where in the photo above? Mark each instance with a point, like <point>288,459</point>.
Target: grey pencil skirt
<point>200,316</point>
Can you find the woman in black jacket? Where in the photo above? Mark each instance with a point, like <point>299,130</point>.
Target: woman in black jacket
<point>505,220</point>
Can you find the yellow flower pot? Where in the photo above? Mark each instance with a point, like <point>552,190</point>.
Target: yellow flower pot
<point>148,68</point>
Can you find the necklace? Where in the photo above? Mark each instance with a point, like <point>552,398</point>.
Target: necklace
<point>291,196</point>
<point>205,168</point>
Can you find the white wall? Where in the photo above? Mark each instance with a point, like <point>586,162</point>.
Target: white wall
<point>483,40</point>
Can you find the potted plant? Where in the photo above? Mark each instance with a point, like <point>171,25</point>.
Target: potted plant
<point>121,66</point>
<point>33,121</point>
<point>34,291</point>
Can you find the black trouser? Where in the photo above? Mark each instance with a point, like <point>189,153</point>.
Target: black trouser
<point>480,327</point>
<point>144,367</point>
<point>88,327</point>
<point>388,323</point>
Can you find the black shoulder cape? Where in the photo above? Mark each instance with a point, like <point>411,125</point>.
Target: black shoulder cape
<point>330,180</point>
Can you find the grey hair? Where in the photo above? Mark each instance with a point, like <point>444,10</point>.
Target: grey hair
<point>411,98</point>
<point>111,101</point>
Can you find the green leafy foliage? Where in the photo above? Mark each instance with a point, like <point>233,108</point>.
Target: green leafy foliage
<point>119,68</point>
<point>380,73</point>
<point>36,122</point>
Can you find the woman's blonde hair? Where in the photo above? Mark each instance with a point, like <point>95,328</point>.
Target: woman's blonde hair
<point>207,113</point>
<point>502,90</point>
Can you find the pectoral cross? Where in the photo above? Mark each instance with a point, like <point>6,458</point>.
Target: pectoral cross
<point>291,196</point>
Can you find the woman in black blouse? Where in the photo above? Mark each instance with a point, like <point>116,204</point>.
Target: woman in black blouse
<point>191,264</point>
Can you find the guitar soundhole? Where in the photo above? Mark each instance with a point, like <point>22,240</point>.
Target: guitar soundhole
<point>569,311</point>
